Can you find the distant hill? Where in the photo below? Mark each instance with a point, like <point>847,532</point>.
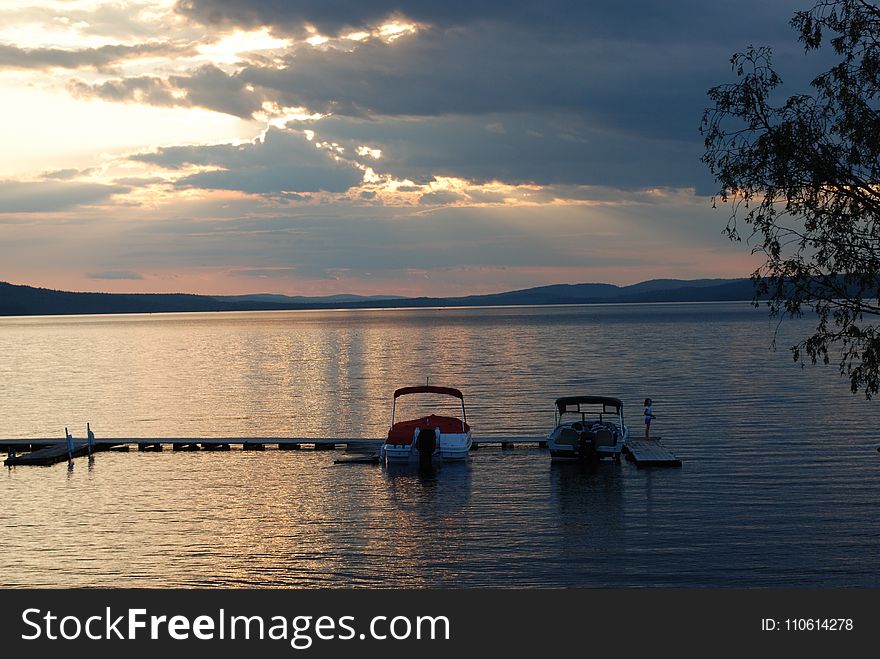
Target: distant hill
<point>27,300</point>
<point>672,284</point>
<point>301,299</point>
<point>658,290</point>
<point>17,300</point>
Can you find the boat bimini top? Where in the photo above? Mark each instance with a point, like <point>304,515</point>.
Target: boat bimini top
<point>573,404</point>
<point>599,407</point>
<point>428,389</point>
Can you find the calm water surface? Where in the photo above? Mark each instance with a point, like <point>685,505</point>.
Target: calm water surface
<point>779,486</point>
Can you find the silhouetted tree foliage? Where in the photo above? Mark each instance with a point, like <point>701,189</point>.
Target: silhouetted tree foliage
<point>803,176</point>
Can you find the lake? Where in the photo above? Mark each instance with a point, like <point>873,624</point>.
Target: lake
<point>779,484</point>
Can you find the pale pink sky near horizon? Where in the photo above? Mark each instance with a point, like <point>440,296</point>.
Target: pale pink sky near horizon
<point>226,147</point>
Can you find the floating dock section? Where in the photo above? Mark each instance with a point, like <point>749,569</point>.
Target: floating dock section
<point>48,455</point>
<point>649,453</point>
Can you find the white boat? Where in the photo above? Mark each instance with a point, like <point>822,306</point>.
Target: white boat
<point>427,437</point>
<point>587,428</point>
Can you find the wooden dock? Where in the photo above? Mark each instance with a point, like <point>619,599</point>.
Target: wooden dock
<point>649,453</point>
<point>51,450</point>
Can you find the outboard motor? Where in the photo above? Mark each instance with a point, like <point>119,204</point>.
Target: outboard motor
<point>426,442</point>
<point>587,445</point>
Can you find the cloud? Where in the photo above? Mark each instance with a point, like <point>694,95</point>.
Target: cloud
<point>99,58</point>
<point>282,162</point>
<point>206,239</point>
<point>432,74</point>
<point>549,149</point>
<point>210,87</point>
<point>35,197</point>
<point>592,93</point>
<point>68,174</point>
<point>139,181</point>
<point>206,87</point>
<point>491,57</point>
<point>516,118</point>
<point>117,19</point>
<point>277,272</point>
<point>150,90</point>
<point>115,275</point>
<point>442,197</point>
<point>591,108</point>
<point>692,19</point>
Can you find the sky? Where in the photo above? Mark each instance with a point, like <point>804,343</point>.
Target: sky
<point>317,147</point>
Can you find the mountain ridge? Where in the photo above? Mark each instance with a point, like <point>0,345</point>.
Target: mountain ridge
<point>23,300</point>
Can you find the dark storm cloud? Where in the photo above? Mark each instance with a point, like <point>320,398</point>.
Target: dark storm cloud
<point>283,162</point>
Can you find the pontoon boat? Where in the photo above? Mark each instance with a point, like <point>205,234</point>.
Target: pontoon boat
<point>427,437</point>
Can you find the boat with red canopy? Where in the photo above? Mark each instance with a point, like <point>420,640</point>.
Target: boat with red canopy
<point>427,437</point>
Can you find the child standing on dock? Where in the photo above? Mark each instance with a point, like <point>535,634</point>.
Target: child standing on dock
<point>649,416</point>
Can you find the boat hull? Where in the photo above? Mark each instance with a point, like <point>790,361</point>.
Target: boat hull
<point>451,447</point>
<point>455,446</point>
<point>400,455</point>
<point>571,450</point>
<point>574,455</point>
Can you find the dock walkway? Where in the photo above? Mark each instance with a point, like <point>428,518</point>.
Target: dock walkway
<point>49,451</point>
<point>649,453</point>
